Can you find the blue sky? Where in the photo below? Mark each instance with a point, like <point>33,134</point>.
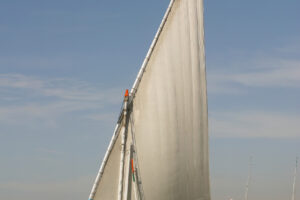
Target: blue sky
<point>65,64</point>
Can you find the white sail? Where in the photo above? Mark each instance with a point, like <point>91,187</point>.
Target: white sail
<point>106,184</point>
<point>167,122</point>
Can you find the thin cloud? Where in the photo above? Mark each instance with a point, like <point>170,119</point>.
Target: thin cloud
<point>50,98</point>
<point>63,88</point>
<point>20,81</point>
<point>277,70</point>
<point>109,117</point>
<point>285,73</point>
<point>71,188</point>
<point>255,124</point>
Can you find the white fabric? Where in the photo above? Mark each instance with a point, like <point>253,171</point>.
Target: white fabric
<point>108,185</point>
<point>169,117</point>
<point>170,111</point>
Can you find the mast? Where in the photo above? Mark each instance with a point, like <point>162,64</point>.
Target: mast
<point>123,146</point>
<point>249,178</point>
<point>294,183</point>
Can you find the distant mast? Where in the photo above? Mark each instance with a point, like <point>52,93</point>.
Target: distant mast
<point>295,178</point>
<point>249,178</point>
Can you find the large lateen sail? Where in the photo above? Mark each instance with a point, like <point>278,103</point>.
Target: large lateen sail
<point>159,150</point>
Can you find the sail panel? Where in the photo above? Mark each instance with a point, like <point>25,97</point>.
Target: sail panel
<point>170,110</point>
<point>108,185</point>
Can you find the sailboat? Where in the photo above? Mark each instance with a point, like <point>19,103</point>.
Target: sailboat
<point>159,148</point>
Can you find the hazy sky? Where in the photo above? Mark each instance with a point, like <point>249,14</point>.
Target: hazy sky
<point>64,65</point>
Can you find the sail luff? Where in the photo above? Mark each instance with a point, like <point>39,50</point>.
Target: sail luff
<point>150,51</point>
